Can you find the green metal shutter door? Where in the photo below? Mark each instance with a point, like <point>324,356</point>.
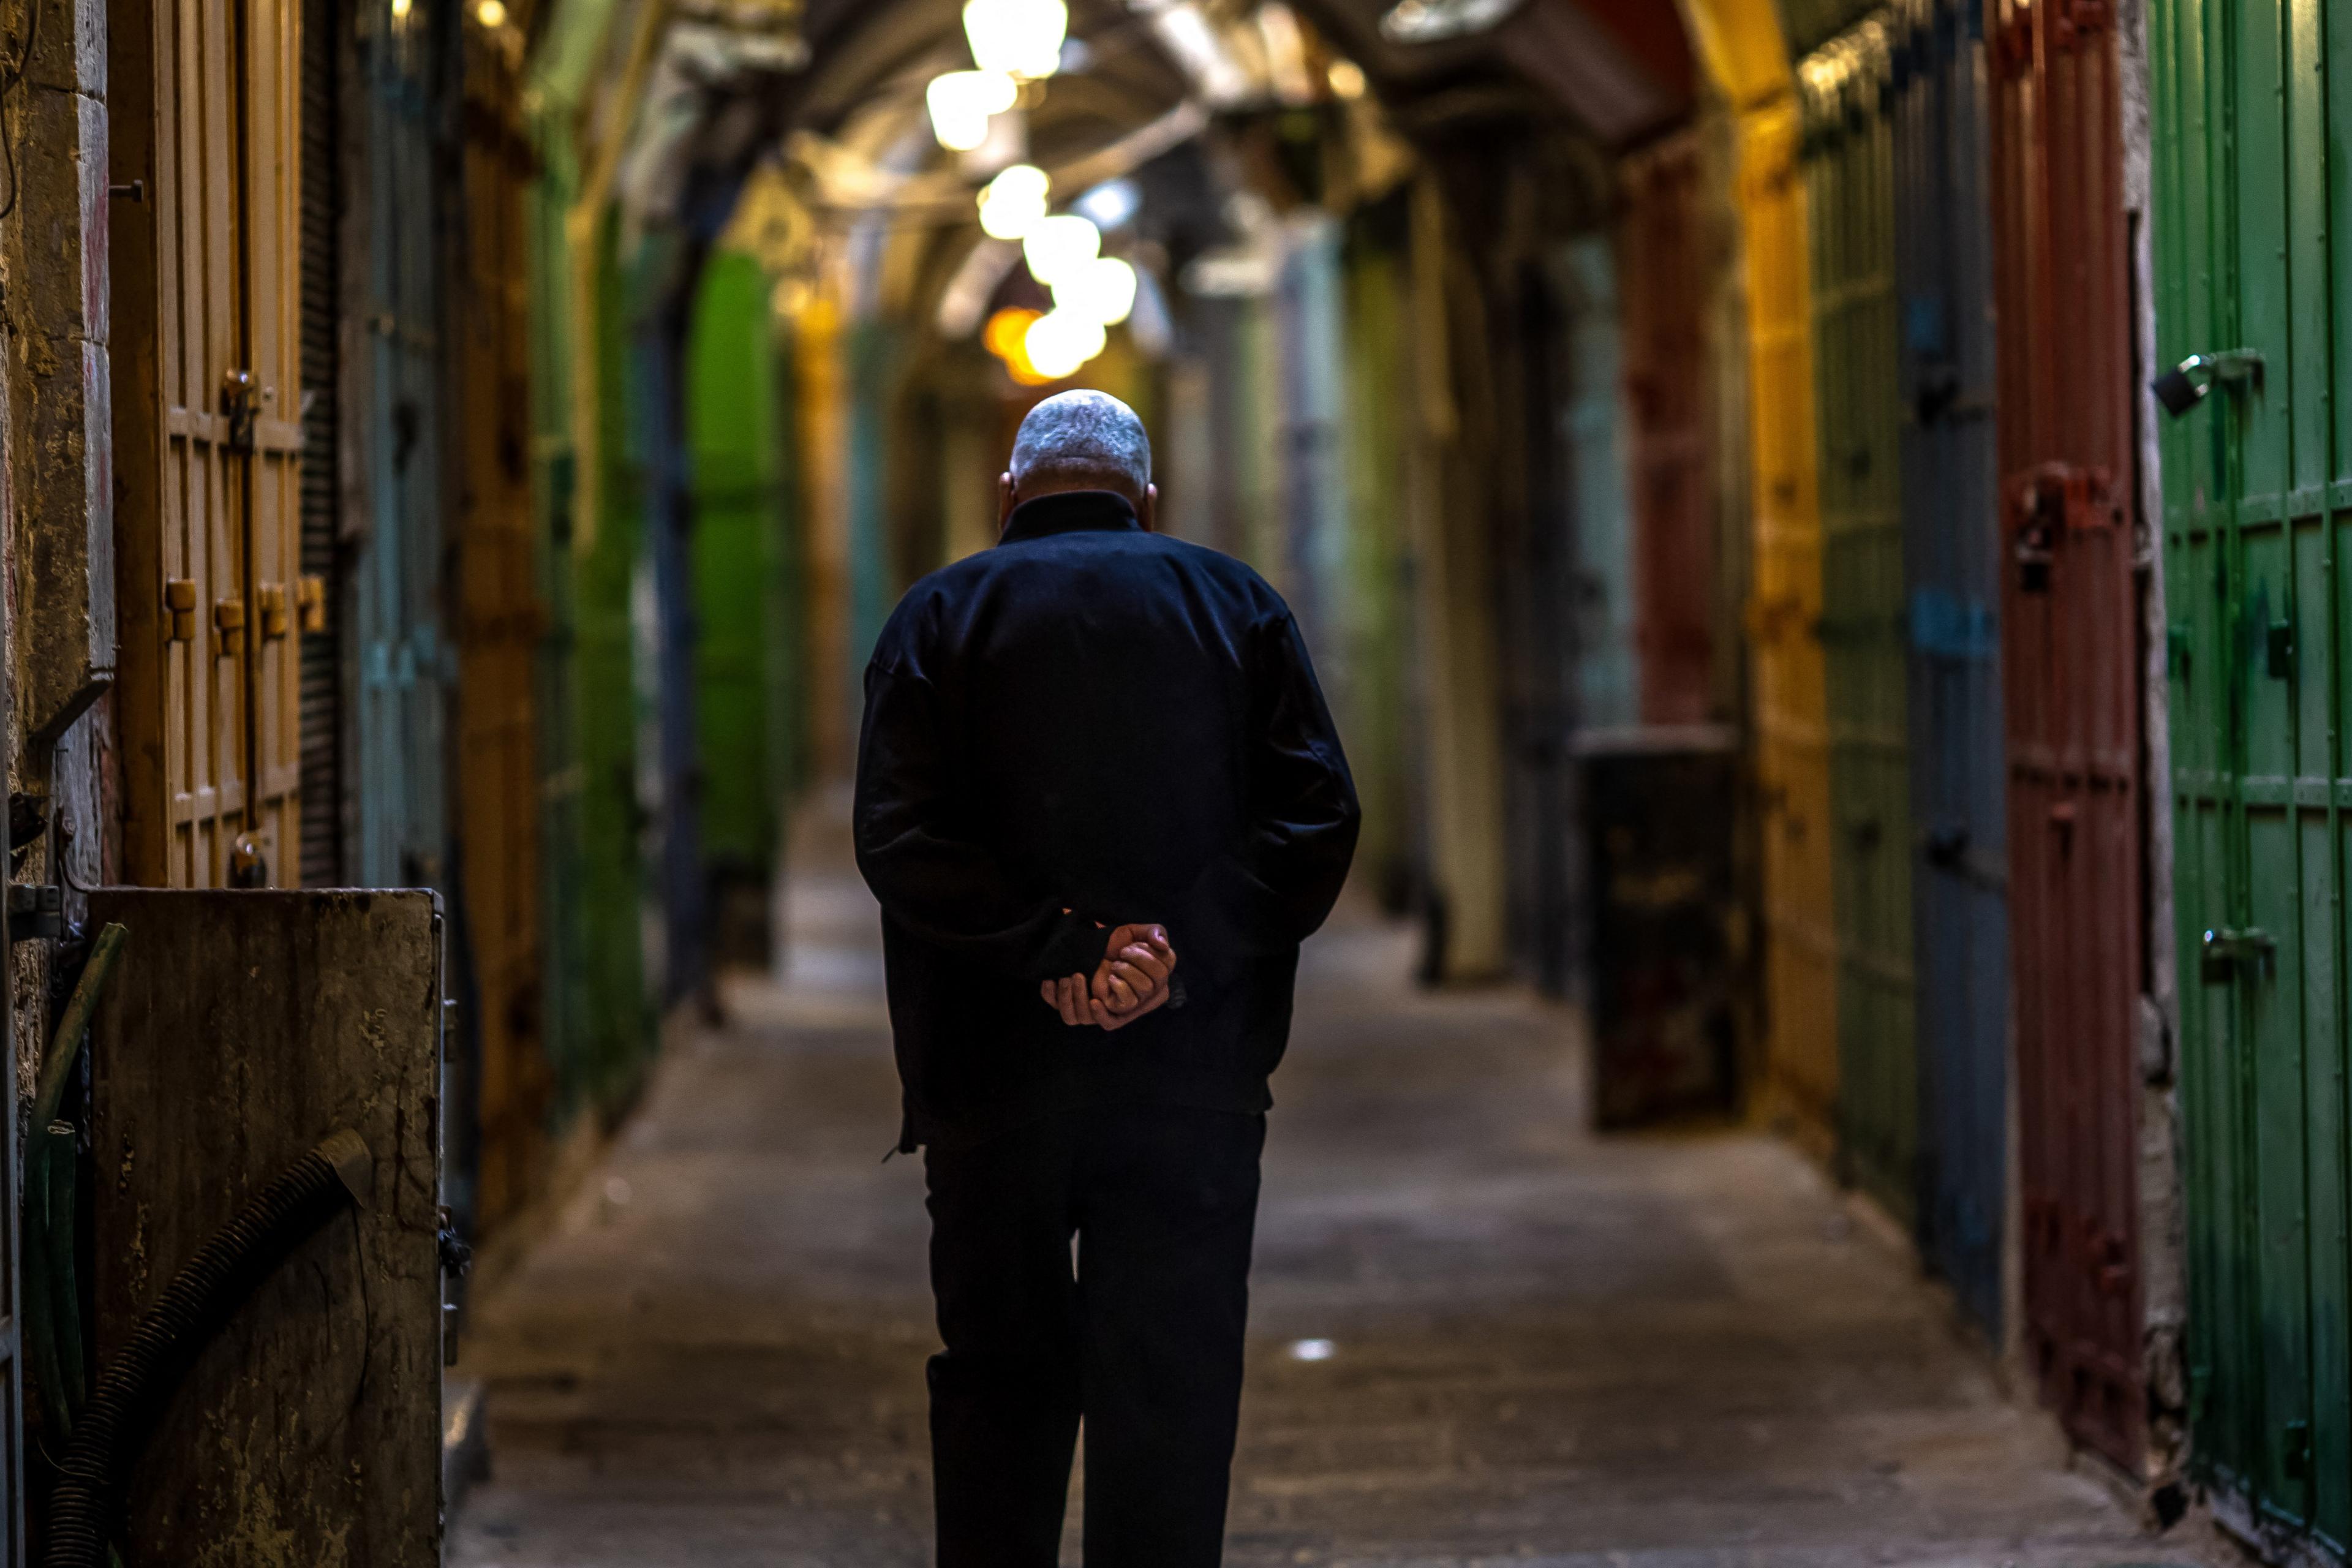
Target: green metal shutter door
<point>1850,178</point>
<point>2257,486</point>
<point>733,436</point>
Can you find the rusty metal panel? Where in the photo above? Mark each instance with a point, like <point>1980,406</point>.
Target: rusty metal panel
<point>1952,564</point>
<point>1659,975</point>
<point>1666,266</point>
<point>205,109</point>
<point>242,1029</point>
<point>2071,695</point>
<point>2252,200</point>
<point>1849,179</point>
<point>1791,717</point>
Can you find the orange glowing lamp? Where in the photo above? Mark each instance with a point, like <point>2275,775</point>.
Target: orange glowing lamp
<point>1007,337</point>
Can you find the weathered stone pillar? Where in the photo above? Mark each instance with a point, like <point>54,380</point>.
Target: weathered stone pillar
<point>60,415</point>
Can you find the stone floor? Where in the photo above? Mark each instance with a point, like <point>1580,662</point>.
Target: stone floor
<point>1543,1347</point>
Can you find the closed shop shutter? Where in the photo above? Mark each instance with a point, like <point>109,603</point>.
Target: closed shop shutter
<point>1952,575</point>
<point>2253,203</point>
<point>2071,694</point>
<point>1668,274</point>
<point>1849,179</point>
<point>320,600</point>
<point>1801,1049</point>
<point>205,110</point>
<point>499,625</point>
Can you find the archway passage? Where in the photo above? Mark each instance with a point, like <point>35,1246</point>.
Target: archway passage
<point>1485,333</point>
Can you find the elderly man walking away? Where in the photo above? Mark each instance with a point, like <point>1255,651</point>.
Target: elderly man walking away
<point>1087,752</point>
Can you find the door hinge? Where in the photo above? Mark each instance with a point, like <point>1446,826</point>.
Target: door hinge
<point>2223,949</point>
<point>275,619</point>
<point>310,603</point>
<point>228,620</point>
<point>180,604</point>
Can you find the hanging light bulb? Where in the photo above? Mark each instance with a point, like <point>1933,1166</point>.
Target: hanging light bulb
<point>1014,202</point>
<point>960,103</point>
<point>1103,292</point>
<point>1059,343</point>
<point>1020,37</point>
<point>1057,247</point>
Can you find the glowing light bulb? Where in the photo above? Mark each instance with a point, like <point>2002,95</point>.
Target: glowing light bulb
<point>1059,343</point>
<point>960,103</point>
<point>1014,202</point>
<point>1346,79</point>
<point>1103,292</point>
<point>1020,37</point>
<point>1057,247</point>
<point>493,13</point>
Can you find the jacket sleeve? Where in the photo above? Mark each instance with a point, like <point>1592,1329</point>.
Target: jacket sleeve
<point>1273,889</point>
<point>932,876</point>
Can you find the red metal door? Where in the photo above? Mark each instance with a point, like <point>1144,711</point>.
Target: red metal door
<point>1662,270</point>
<point>2073,700</point>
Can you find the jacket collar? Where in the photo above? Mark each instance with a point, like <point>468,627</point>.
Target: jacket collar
<point>1071,511</point>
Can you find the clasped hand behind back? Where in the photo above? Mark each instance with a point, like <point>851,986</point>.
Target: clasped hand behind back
<point>1130,981</point>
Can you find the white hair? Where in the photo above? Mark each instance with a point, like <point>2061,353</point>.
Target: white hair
<point>1082,440</point>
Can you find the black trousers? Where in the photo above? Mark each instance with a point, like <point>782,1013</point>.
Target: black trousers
<point>1142,1337</point>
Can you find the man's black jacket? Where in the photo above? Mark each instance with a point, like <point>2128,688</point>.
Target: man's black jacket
<point>1092,718</point>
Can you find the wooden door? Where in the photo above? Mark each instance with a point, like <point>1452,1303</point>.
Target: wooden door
<point>499,625</point>
<point>205,114</point>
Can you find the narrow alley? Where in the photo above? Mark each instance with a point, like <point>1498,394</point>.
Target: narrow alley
<point>1779,560</point>
<point>1631,1354</point>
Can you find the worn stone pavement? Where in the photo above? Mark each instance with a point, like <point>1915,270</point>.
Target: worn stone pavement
<point>1664,1353</point>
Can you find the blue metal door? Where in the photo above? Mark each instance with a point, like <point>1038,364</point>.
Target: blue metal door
<point>1607,685</point>
<point>403,665</point>
<point>1952,563</point>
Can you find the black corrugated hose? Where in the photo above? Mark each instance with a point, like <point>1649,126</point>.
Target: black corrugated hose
<point>139,1381</point>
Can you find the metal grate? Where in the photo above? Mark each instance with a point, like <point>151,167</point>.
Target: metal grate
<point>323,795</point>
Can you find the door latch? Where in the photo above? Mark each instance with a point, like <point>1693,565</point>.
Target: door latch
<point>2222,949</point>
<point>2294,1450</point>
<point>2180,390</point>
<point>240,405</point>
<point>2278,646</point>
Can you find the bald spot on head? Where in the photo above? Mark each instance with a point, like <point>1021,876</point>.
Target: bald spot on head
<point>1082,441</point>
